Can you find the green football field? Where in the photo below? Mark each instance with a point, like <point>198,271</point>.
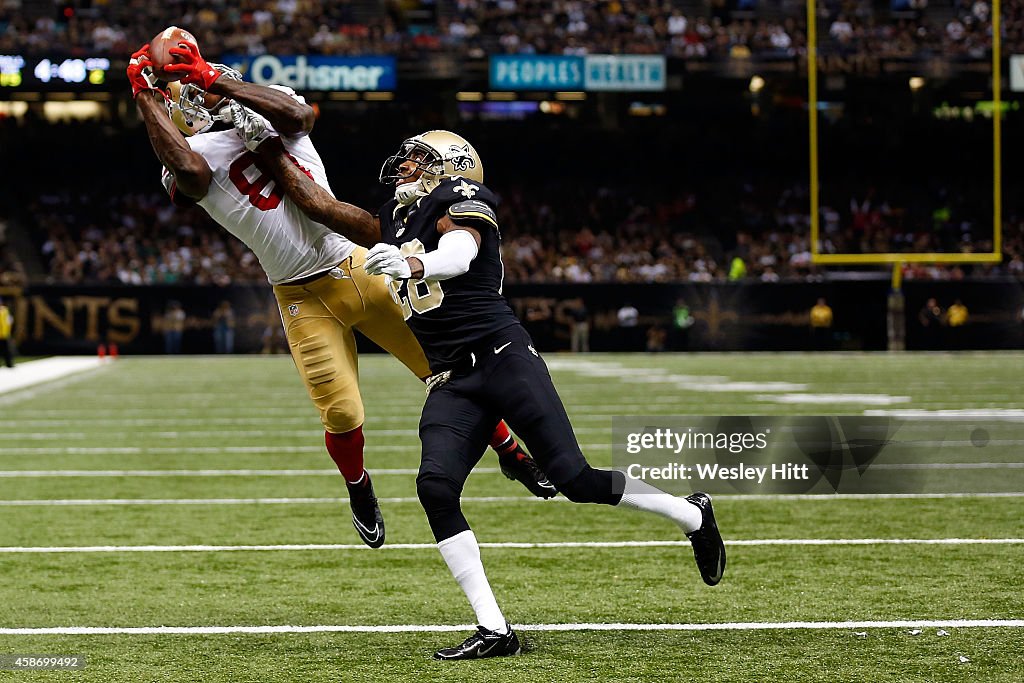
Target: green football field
<point>178,520</point>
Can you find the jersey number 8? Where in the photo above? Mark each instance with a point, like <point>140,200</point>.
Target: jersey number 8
<point>416,295</point>
<point>239,173</point>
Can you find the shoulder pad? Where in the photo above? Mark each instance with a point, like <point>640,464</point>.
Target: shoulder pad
<point>467,203</point>
<point>459,189</point>
<point>473,212</point>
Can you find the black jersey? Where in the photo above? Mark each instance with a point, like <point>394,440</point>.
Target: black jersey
<point>450,317</point>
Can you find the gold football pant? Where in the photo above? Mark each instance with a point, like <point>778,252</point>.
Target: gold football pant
<point>319,319</point>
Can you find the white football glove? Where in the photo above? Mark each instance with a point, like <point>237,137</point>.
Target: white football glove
<point>386,259</point>
<point>252,128</point>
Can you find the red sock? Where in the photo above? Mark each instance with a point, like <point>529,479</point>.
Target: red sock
<point>347,452</point>
<point>502,441</point>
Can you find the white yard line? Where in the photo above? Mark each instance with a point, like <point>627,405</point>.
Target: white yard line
<point>221,433</point>
<point>701,383</point>
<point>815,399</point>
<point>214,450</point>
<point>12,396</point>
<point>32,474</point>
<point>502,545</point>
<point>41,474</point>
<point>817,497</point>
<point>1002,414</point>
<point>197,418</point>
<point>949,466</point>
<point>160,450</point>
<point>445,628</point>
<point>36,372</point>
<point>200,434</point>
<point>93,502</point>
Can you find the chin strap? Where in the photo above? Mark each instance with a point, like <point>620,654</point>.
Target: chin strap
<point>408,193</point>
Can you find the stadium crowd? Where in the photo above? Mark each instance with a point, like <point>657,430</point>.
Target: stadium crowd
<point>618,236</point>
<point>136,239</point>
<point>476,28</point>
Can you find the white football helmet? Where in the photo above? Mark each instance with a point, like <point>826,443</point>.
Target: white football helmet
<point>439,154</point>
<point>188,107</point>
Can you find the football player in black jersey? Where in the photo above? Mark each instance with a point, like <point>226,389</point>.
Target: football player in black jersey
<point>438,242</point>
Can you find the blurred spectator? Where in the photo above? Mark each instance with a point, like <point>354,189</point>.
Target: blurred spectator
<point>656,338</point>
<point>930,318</point>
<point>682,321</point>
<point>273,334</point>
<point>821,324</point>
<point>632,234</point>
<point>6,334</point>
<point>174,327</point>
<point>224,328</point>
<point>628,316</point>
<point>578,318</point>
<point>630,335</point>
<point>475,28</point>
<point>11,270</point>
<point>956,317</point>
<point>137,239</point>
<point>737,268</point>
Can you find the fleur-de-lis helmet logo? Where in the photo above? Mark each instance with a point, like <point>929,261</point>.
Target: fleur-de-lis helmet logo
<point>460,158</point>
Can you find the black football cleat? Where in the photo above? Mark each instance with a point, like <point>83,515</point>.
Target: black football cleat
<point>366,516</point>
<point>519,466</point>
<point>483,644</point>
<point>708,546</point>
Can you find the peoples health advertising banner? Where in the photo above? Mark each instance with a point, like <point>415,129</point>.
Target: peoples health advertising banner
<point>590,72</point>
<point>317,72</point>
<point>1017,73</point>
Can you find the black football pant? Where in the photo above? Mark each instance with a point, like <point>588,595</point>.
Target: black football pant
<point>7,349</point>
<point>506,379</point>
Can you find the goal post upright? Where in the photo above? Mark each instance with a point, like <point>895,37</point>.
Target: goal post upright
<point>896,313</point>
<point>889,258</point>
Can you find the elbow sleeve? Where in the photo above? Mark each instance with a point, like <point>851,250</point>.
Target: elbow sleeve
<point>453,256</point>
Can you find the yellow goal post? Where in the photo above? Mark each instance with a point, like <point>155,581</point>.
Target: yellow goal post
<point>995,255</point>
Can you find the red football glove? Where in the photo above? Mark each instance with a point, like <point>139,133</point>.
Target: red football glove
<point>140,73</point>
<point>193,69</point>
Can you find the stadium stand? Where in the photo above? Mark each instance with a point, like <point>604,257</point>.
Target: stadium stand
<point>476,28</point>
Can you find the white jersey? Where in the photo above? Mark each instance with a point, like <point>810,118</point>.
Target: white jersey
<point>244,199</point>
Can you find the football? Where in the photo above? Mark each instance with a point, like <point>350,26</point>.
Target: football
<point>159,47</point>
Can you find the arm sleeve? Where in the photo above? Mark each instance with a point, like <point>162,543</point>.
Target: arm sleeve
<point>295,96</point>
<point>455,252</point>
<point>177,198</point>
<point>288,91</point>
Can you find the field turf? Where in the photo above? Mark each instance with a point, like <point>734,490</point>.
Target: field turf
<point>144,464</point>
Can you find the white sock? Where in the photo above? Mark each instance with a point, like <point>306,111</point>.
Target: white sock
<point>640,495</point>
<point>462,554</point>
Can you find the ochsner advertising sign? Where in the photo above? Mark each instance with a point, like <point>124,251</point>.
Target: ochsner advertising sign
<point>317,72</point>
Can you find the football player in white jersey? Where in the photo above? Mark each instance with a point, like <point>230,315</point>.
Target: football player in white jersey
<point>322,290</point>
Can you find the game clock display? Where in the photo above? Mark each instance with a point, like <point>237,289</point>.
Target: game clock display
<point>19,73</point>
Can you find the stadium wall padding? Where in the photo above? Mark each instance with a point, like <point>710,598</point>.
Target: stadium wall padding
<point>53,319</point>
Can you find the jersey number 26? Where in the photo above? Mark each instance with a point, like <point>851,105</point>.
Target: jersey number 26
<point>416,295</point>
